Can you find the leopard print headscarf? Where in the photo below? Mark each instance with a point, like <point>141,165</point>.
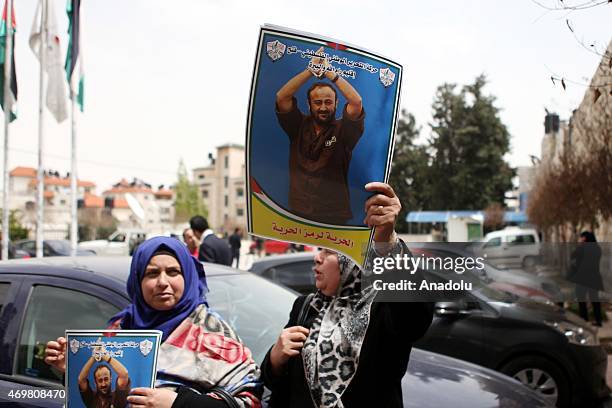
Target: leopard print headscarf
<point>331,351</point>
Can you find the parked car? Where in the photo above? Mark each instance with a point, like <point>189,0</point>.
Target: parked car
<point>545,347</point>
<point>51,247</point>
<point>272,247</point>
<point>515,281</point>
<point>511,247</point>
<point>40,298</point>
<point>123,242</point>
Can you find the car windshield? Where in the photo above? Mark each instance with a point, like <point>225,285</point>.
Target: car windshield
<point>256,308</point>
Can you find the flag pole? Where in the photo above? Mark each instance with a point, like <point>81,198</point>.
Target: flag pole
<point>73,178</point>
<point>8,59</point>
<point>41,121</point>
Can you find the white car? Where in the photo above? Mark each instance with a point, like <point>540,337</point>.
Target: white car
<point>120,243</point>
<point>511,247</point>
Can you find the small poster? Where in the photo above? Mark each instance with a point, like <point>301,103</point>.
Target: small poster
<point>321,126</point>
<point>102,367</point>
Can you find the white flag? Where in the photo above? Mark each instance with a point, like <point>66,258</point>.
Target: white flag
<point>54,67</point>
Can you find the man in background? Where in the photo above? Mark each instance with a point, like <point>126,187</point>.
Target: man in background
<point>212,248</point>
<point>235,243</point>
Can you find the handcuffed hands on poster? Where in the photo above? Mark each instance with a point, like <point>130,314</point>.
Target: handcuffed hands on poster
<point>102,367</point>
<point>321,126</point>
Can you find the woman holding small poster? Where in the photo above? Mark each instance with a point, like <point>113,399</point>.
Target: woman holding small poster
<point>201,361</point>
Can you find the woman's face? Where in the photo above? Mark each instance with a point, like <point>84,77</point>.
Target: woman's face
<point>162,284</point>
<point>327,272</point>
<point>189,238</point>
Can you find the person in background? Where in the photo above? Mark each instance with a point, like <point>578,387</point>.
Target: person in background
<point>235,244</point>
<point>212,248</point>
<point>193,244</point>
<point>585,274</point>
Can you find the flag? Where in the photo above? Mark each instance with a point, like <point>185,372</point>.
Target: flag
<point>74,56</point>
<point>13,89</point>
<point>56,87</point>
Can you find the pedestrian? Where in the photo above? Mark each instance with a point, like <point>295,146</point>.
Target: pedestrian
<point>193,244</point>
<point>212,248</point>
<point>235,241</point>
<point>585,274</point>
<point>167,287</point>
<point>347,350</point>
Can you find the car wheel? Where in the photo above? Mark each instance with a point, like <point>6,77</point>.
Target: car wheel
<point>529,262</point>
<point>543,376</point>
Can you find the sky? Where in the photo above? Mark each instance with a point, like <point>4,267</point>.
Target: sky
<point>170,80</point>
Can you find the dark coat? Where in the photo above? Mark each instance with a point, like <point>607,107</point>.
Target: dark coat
<point>585,262</point>
<point>215,250</point>
<point>383,359</point>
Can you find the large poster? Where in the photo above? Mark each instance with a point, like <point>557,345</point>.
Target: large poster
<point>102,367</point>
<point>321,125</point>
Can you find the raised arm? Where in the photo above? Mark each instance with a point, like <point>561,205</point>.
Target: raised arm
<point>351,95</point>
<point>284,96</point>
<point>122,373</point>
<point>83,383</point>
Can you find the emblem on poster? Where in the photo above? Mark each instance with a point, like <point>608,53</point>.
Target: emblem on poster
<point>145,347</point>
<point>275,49</point>
<point>74,346</point>
<point>387,77</point>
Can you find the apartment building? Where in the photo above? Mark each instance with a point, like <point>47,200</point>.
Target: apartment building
<point>223,189</point>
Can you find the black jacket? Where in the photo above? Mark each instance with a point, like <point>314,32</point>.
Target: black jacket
<point>215,250</point>
<point>383,359</point>
<point>585,266</point>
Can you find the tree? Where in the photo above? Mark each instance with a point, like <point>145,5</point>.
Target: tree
<point>188,200</point>
<point>16,230</point>
<point>468,143</point>
<point>95,223</point>
<point>409,169</point>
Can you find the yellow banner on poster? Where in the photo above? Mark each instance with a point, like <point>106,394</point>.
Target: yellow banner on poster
<point>351,241</point>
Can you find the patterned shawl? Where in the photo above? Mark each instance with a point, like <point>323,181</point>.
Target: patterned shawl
<point>331,351</point>
<point>199,350</point>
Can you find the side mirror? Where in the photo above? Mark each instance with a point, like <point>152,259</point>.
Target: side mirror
<point>451,308</point>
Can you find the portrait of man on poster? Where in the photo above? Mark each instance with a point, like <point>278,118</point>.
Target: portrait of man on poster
<point>321,145</point>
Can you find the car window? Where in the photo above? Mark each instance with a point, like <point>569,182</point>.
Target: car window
<point>29,246</point>
<point>255,308</point>
<point>493,242</point>
<point>50,311</point>
<point>296,275</point>
<point>4,287</point>
<point>524,239</point>
<point>118,238</point>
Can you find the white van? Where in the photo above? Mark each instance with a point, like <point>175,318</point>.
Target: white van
<point>120,243</point>
<point>512,247</point>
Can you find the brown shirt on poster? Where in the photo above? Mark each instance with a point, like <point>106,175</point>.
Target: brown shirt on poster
<point>318,164</point>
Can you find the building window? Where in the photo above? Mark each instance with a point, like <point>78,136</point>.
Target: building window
<point>226,161</point>
<point>201,176</point>
<point>239,212</point>
<point>225,200</point>
<point>30,205</point>
<point>204,193</point>
<point>225,181</point>
<point>239,192</point>
<point>63,202</point>
<point>225,217</point>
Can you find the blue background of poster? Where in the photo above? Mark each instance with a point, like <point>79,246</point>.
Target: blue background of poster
<point>139,367</point>
<point>269,156</point>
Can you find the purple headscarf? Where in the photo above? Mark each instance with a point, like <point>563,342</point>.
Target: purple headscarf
<point>139,315</point>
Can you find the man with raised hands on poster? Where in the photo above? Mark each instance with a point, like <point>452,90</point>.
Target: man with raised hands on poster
<point>320,145</point>
<point>104,396</point>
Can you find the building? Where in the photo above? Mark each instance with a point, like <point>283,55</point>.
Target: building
<point>57,200</point>
<point>150,210</point>
<point>222,185</point>
<point>590,121</point>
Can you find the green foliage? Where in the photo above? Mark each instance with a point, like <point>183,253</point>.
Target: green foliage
<point>188,199</point>
<point>468,143</point>
<point>16,230</point>
<point>409,169</point>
